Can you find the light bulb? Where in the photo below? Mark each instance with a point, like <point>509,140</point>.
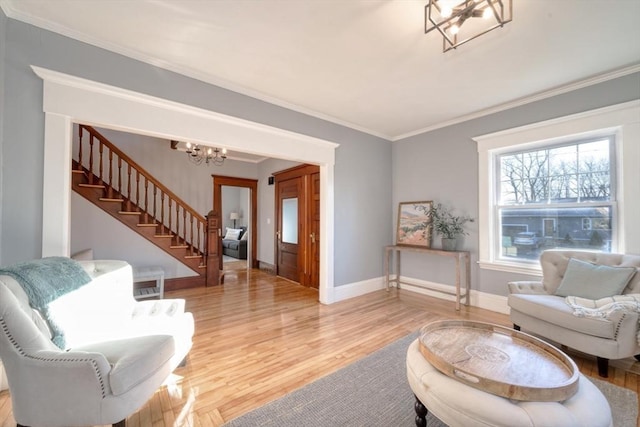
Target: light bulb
<point>224,151</point>
<point>487,13</point>
<point>188,146</point>
<point>454,29</point>
<point>209,151</point>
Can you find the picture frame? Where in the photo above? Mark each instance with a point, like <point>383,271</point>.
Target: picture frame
<point>414,224</point>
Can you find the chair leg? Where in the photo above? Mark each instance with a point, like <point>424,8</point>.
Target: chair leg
<point>603,367</point>
<point>121,423</point>
<point>516,327</point>
<point>421,413</point>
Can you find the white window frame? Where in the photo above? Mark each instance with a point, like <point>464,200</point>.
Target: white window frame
<point>621,120</point>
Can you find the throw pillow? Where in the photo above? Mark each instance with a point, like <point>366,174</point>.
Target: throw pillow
<point>244,235</point>
<point>586,280</point>
<point>232,234</point>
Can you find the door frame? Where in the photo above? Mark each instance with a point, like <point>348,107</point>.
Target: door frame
<point>252,185</point>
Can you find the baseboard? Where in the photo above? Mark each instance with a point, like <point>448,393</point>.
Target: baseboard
<point>183,283</point>
<point>266,267</point>
<point>497,303</point>
<point>356,289</point>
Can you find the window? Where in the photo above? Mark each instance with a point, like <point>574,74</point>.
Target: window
<point>570,182</point>
<point>556,191</point>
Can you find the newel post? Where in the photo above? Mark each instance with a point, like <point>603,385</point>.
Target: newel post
<point>214,250</point>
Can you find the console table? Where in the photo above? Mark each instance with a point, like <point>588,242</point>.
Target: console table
<point>461,258</point>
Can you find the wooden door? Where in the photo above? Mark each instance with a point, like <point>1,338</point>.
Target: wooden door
<point>313,277</point>
<point>300,261</point>
<point>288,229</point>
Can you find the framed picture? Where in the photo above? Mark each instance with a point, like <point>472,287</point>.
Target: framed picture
<point>414,224</point>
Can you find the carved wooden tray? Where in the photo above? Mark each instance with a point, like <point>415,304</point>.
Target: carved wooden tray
<point>499,360</point>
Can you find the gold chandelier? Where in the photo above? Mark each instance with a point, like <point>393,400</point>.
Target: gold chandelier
<point>448,17</point>
<point>198,155</point>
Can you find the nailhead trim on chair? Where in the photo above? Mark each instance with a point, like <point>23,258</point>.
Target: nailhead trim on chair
<point>615,335</point>
<point>46,359</point>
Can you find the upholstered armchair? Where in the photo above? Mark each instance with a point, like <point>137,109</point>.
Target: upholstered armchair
<point>116,353</point>
<point>587,301</point>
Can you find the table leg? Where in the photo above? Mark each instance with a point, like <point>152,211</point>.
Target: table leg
<point>398,269</point>
<point>387,255</point>
<point>458,283</point>
<point>467,298</point>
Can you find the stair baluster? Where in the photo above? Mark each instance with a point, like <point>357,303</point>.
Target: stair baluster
<point>185,242</point>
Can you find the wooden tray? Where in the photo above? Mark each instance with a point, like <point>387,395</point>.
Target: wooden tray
<point>499,360</point>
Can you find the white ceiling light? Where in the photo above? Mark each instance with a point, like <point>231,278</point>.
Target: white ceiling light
<point>448,17</point>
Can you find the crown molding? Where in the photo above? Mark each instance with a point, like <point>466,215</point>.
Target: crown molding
<point>13,13</point>
<point>621,72</point>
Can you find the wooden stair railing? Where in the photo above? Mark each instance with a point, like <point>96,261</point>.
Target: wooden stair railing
<point>138,199</point>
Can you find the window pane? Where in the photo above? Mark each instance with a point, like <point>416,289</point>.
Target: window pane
<point>527,232</point>
<point>565,174</point>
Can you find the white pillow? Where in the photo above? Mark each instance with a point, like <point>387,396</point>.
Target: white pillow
<point>232,234</point>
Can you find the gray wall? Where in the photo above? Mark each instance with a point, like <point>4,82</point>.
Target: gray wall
<point>3,23</point>
<point>442,165</point>
<point>362,172</point>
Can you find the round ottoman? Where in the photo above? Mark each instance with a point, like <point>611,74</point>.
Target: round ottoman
<point>459,405</point>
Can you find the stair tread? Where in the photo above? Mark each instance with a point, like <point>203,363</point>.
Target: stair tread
<point>141,224</point>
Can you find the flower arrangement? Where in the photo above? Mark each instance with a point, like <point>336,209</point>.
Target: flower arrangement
<point>446,223</point>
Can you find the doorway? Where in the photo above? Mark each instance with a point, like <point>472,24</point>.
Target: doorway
<point>297,240</point>
<point>220,182</point>
<point>64,93</point>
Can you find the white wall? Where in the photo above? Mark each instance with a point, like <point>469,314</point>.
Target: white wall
<point>235,199</point>
<point>95,229</point>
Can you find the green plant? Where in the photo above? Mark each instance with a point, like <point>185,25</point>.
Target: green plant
<point>446,223</point>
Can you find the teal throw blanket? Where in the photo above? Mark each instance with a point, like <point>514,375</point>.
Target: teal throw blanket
<point>44,281</point>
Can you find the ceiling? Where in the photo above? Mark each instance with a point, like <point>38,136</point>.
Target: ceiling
<point>366,64</point>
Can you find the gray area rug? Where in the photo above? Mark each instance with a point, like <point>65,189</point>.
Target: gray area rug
<point>374,392</point>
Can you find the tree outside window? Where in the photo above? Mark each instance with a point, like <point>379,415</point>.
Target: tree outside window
<point>551,197</point>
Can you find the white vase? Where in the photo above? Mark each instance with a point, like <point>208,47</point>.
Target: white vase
<point>449,244</point>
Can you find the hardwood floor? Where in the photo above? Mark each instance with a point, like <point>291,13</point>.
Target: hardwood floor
<point>259,337</point>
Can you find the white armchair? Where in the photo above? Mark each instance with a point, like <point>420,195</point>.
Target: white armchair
<point>117,352</point>
<point>539,307</point>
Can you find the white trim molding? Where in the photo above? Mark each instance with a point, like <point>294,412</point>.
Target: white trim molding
<point>69,99</point>
<point>622,119</point>
<point>479,299</point>
<point>356,289</point>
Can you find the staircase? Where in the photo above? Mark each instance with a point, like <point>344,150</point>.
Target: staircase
<point>109,179</point>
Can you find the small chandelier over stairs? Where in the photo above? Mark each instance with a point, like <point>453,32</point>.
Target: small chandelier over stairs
<point>207,155</point>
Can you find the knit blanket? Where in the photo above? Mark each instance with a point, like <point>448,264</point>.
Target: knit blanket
<point>46,280</point>
<point>603,308</point>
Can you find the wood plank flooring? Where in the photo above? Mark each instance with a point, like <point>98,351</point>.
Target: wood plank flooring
<point>259,337</point>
